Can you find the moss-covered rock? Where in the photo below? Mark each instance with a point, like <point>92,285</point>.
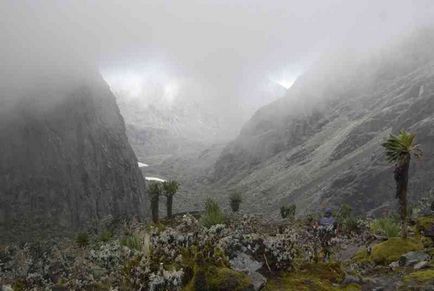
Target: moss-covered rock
<point>424,223</point>
<point>361,256</point>
<point>420,276</point>
<point>419,280</point>
<point>208,277</point>
<point>310,277</point>
<point>352,287</point>
<point>225,279</point>
<point>388,251</point>
<point>219,279</point>
<point>392,249</point>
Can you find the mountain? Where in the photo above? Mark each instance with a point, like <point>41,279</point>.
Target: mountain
<point>181,134</point>
<point>65,160</point>
<point>320,145</point>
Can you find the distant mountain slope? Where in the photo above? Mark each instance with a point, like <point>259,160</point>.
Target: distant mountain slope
<point>180,138</point>
<point>320,145</point>
<point>65,161</point>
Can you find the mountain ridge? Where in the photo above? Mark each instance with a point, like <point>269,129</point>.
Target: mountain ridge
<point>320,144</point>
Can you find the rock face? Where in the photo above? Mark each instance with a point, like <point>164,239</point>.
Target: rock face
<point>320,145</point>
<point>65,160</point>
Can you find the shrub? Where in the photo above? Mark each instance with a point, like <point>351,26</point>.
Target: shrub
<point>235,200</point>
<point>132,242</point>
<point>288,211</point>
<point>385,226</point>
<point>213,214</point>
<point>82,239</point>
<point>351,224</point>
<point>105,236</point>
<point>346,219</point>
<point>344,212</point>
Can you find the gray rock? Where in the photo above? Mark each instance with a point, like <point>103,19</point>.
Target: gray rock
<point>243,262</point>
<point>349,279</point>
<point>412,258</point>
<point>258,280</point>
<point>65,160</point>
<point>394,265</point>
<point>421,265</point>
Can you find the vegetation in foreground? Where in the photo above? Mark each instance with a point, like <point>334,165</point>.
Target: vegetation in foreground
<point>243,252</point>
<point>217,251</point>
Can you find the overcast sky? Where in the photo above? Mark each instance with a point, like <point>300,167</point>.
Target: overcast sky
<point>232,47</point>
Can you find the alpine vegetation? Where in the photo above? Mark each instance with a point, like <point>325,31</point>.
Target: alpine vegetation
<point>217,145</point>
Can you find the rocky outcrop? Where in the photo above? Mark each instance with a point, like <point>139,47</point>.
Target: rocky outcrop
<point>65,161</point>
<point>321,144</point>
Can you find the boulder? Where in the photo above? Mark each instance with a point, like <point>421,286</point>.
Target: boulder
<point>392,249</point>
<point>421,265</point>
<point>258,280</point>
<point>413,258</point>
<point>394,265</point>
<point>244,263</point>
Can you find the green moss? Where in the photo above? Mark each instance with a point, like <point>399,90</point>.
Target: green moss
<point>390,250</point>
<point>423,223</point>
<point>309,277</point>
<point>223,279</point>
<point>19,285</point>
<point>352,287</point>
<point>361,256</point>
<point>213,278</point>
<point>426,241</point>
<point>420,276</point>
<point>213,275</point>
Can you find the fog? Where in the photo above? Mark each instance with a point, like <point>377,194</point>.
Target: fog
<point>225,53</point>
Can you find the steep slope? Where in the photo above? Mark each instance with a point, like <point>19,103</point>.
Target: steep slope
<point>180,136</point>
<point>320,145</point>
<point>65,161</point>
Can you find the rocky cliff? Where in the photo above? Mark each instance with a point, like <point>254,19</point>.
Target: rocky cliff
<point>65,161</point>
<point>321,144</point>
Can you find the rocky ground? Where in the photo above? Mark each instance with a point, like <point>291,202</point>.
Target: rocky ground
<point>245,253</point>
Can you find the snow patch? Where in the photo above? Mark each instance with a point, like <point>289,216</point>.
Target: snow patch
<point>154,179</point>
<point>142,165</point>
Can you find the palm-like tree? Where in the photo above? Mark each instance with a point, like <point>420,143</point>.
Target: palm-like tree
<point>399,149</point>
<point>155,190</point>
<point>235,200</point>
<point>170,188</point>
